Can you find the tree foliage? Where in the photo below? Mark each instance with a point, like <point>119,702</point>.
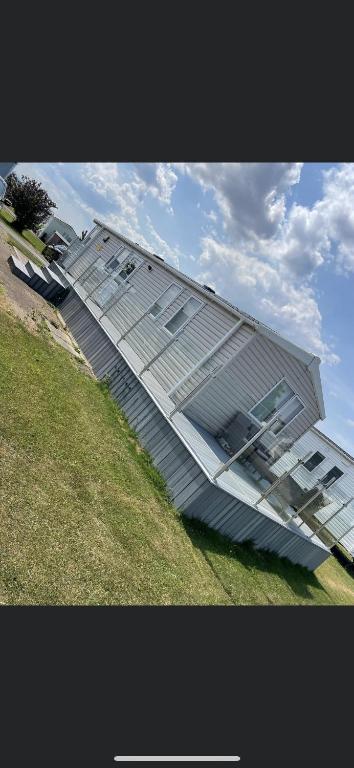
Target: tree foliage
<point>31,203</point>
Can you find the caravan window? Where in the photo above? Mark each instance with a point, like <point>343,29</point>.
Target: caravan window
<point>333,474</point>
<point>105,292</point>
<point>270,404</point>
<point>314,461</point>
<point>282,399</point>
<point>127,270</point>
<point>183,315</point>
<point>287,414</point>
<point>165,299</point>
<point>114,261</point>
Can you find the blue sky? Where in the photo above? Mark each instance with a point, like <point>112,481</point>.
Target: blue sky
<point>277,239</point>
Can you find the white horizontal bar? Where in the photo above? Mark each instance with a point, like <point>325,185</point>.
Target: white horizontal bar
<point>175,758</point>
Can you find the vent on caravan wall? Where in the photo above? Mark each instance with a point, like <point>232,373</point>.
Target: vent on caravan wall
<point>207,288</point>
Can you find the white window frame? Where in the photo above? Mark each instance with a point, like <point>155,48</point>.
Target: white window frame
<point>97,299</point>
<point>114,256</point>
<point>282,406</point>
<point>202,304</point>
<point>317,465</point>
<point>138,262</point>
<point>337,478</point>
<point>154,317</point>
<point>115,273</point>
<point>116,277</point>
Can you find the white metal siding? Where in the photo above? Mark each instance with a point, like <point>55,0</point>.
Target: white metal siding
<point>150,335</point>
<point>190,489</point>
<point>95,250</point>
<point>252,374</point>
<point>341,491</point>
<point>256,369</point>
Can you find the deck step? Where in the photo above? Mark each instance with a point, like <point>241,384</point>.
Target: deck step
<point>59,274</point>
<point>19,268</point>
<point>43,280</point>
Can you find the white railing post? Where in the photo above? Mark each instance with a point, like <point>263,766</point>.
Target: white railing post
<point>346,534</point>
<point>131,327</point>
<point>147,311</point>
<point>206,357</point>
<point>90,242</point>
<point>323,525</point>
<point>106,277</point>
<point>219,370</point>
<point>88,295</point>
<point>83,274</point>
<point>320,489</point>
<point>286,474</point>
<point>127,285</point>
<point>113,304</point>
<point>225,467</point>
<point>225,366</point>
<point>77,253</point>
<point>195,391</point>
<point>161,351</point>
<point>304,506</point>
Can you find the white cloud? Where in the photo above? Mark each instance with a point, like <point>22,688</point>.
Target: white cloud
<point>269,250</point>
<point>252,200</point>
<point>107,181</point>
<point>350,422</point>
<point>211,215</point>
<point>309,237</point>
<point>70,205</point>
<point>273,248</point>
<point>108,191</point>
<point>261,288</point>
<point>337,208</point>
<point>163,249</point>
<point>157,179</point>
<point>250,196</point>
<point>127,192</point>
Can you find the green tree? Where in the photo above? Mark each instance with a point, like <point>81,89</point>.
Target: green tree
<point>31,203</point>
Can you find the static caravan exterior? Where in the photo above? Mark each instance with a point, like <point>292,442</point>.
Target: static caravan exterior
<point>216,396</point>
<point>56,231</point>
<point>329,469</point>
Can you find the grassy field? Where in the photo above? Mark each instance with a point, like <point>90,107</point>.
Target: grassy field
<point>7,215</point>
<point>33,239</point>
<point>26,252</point>
<point>85,517</point>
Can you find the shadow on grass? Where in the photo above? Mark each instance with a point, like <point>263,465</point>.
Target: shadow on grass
<point>344,558</point>
<point>298,578</point>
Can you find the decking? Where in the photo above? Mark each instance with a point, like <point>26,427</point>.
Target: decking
<point>186,454</point>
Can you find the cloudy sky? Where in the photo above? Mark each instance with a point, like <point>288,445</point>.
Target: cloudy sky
<point>277,239</point>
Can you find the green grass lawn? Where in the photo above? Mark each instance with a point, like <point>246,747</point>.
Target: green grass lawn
<point>33,239</point>
<point>7,215</point>
<point>26,252</point>
<point>84,516</point>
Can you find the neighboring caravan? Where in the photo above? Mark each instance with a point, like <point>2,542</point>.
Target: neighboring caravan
<point>215,396</point>
<point>330,470</point>
<point>57,232</point>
